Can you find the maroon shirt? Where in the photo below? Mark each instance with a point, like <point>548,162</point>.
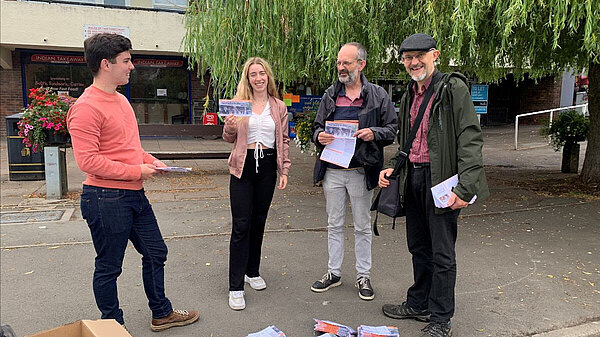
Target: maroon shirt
<point>419,152</point>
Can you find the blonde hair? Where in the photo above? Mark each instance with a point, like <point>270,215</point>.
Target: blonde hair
<point>244,89</point>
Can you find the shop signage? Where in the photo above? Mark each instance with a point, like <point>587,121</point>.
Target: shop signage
<point>91,30</point>
<point>49,58</point>
<point>157,63</point>
<point>479,95</point>
<point>210,118</point>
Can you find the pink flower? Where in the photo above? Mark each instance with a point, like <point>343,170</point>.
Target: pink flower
<point>57,127</point>
<point>43,118</point>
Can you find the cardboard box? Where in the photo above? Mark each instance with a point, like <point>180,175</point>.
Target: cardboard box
<point>87,328</point>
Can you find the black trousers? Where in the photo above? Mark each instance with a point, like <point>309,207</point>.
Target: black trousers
<point>250,198</point>
<point>431,239</point>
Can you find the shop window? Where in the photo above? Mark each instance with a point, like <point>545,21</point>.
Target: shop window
<point>160,95</point>
<point>71,79</point>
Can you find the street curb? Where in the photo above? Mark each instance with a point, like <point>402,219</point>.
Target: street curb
<point>591,329</point>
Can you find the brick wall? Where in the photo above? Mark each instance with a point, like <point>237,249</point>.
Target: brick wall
<point>541,96</point>
<point>11,91</point>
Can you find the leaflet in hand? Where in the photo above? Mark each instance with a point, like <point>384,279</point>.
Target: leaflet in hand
<point>175,169</point>
<point>237,108</point>
<point>442,192</point>
<point>341,150</point>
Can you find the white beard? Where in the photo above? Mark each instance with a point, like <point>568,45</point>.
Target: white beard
<point>420,77</point>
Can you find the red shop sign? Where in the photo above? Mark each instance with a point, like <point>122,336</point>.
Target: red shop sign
<point>157,63</point>
<point>49,58</point>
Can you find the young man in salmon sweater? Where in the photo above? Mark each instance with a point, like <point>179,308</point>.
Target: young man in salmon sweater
<point>107,147</point>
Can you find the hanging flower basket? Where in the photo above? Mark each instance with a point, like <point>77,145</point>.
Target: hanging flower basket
<point>54,138</point>
<point>44,121</point>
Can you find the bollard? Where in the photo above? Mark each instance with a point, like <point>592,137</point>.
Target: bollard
<point>56,172</point>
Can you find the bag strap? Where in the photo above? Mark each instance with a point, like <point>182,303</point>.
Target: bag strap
<point>413,131</point>
<point>411,137</point>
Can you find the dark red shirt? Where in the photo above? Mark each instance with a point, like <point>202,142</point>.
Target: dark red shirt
<point>419,152</point>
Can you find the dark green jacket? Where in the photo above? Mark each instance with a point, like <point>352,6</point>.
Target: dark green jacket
<point>454,138</point>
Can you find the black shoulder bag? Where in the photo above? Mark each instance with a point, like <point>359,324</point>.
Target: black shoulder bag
<point>387,200</point>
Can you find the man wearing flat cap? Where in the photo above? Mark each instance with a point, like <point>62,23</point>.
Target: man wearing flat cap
<point>448,142</point>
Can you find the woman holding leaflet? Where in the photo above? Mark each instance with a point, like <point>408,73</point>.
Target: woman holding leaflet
<point>260,152</point>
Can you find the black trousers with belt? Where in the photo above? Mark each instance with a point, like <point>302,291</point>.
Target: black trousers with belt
<point>431,241</point>
<point>250,198</point>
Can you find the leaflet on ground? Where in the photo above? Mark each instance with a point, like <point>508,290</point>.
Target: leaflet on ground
<point>377,331</point>
<point>442,192</point>
<point>237,108</point>
<point>175,169</point>
<point>335,329</point>
<point>341,150</point>
<point>270,331</point>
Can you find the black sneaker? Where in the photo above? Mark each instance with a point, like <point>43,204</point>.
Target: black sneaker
<point>328,281</point>
<point>437,329</point>
<point>365,291</point>
<point>403,311</point>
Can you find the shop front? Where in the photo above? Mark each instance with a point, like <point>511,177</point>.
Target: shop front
<point>159,88</point>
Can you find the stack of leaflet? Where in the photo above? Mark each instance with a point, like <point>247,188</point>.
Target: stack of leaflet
<point>334,328</point>
<point>270,331</point>
<point>377,331</point>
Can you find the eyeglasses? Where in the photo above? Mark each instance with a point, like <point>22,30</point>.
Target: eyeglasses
<point>346,64</point>
<point>419,56</point>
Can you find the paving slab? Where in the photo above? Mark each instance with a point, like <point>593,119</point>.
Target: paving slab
<point>527,259</point>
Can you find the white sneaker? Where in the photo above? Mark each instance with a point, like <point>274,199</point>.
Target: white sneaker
<point>257,283</point>
<point>236,300</point>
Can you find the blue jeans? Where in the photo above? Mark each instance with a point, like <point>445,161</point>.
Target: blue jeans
<point>114,217</point>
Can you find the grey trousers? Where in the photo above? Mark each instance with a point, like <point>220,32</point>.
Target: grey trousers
<point>336,185</point>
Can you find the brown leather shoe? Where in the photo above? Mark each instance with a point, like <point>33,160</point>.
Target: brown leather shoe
<point>175,318</point>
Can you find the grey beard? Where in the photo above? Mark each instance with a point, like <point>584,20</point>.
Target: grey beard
<point>351,78</point>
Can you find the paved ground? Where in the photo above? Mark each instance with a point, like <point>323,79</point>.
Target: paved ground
<point>527,259</point>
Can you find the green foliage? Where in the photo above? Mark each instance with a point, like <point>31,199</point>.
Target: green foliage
<point>301,38</point>
<point>571,127</point>
<point>303,124</point>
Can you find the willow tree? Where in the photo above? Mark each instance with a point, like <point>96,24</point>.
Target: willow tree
<point>299,38</point>
<point>484,38</point>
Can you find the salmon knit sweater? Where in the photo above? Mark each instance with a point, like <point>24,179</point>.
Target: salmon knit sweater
<point>106,140</point>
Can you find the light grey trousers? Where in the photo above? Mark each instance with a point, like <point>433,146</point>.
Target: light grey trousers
<point>336,185</point>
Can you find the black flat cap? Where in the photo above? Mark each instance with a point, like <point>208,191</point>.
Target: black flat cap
<point>417,42</point>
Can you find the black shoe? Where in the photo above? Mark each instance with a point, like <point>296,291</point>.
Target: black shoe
<point>365,291</point>
<point>437,329</point>
<point>328,281</point>
<point>405,311</point>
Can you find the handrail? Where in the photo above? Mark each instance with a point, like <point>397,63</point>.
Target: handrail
<point>551,111</point>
